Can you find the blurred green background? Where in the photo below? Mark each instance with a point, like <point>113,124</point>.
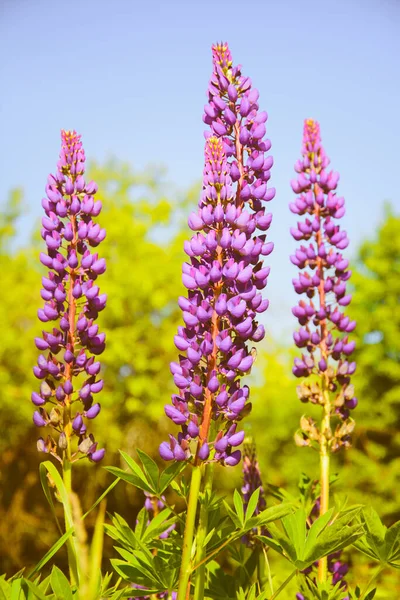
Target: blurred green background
<point>146,226</point>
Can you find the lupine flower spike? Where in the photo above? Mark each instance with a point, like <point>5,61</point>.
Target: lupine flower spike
<point>225,274</point>
<point>67,367</point>
<point>324,328</point>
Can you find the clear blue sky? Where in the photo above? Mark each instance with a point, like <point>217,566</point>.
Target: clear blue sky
<point>131,77</point>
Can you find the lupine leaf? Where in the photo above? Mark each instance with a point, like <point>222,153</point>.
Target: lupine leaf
<point>133,479</point>
<point>208,537</point>
<point>150,468</point>
<point>141,523</point>
<point>33,590</point>
<point>238,503</point>
<point>273,513</point>
<point>392,544</point>
<point>379,542</point>
<point>252,504</point>
<point>5,588</point>
<point>60,584</point>
<point>135,468</point>
<point>158,525</point>
<point>295,526</point>
<point>279,542</point>
<point>325,539</point>
<point>169,474</point>
<point>16,590</point>
<point>332,540</point>
<point>236,520</point>
<point>316,529</point>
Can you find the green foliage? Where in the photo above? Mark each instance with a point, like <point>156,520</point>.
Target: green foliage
<point>316,590</point>
<point>144,253</point>
<point>376,307</point>
<point>303,547</point>
<point>379,542</point>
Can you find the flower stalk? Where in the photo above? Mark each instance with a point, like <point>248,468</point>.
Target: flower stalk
<point>324,328</point>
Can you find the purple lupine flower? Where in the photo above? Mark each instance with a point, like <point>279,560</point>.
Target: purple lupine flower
<point>324,328</point>
<point>225,275</point>
<point>67,366</point>
<point>251,482</point>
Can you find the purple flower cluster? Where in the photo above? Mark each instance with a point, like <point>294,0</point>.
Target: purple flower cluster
<point>225,275</point>
<point>67,367</point>
<point>324,272</point>
<point>251,482</point>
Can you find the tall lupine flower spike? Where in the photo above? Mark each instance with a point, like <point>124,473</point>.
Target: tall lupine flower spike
<point>67,367</point>
<point>251,482</point>
<point>224,276</point>
<point>324,329</point>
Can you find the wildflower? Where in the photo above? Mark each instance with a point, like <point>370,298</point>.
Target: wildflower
<point>67,366</point>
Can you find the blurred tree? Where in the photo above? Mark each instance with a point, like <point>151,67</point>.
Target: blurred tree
<point>376,307</point>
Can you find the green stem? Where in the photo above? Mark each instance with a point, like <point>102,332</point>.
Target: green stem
<point>185,572</point>
<point>202,531</point>
<point>324,475</point>
<point>71,542</point>
<point>268,568</point>
<point>374,576</point>
<point>283,585</point>
<point>261,571</point>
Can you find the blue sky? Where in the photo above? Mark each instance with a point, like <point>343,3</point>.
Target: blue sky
<point>132,78</point>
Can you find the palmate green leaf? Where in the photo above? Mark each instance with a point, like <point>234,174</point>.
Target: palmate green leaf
<point>234,517</point>
<point>251,594</point>
<point>60,584</point>
<point>316,590</point>
<point>392,543</point>
<point>5,588</point>
<point>208,537</point>
<point>131,478</point>
<point>141,522</point>
<point>158,525</point>
<point>380,543</point>
<point>238,503</point>
<point>143,561</point>
<point>142,475</point>
<point>295,526</point>
<point>316,529</point>
<point>270,514</point>
<point>130,572</point>
<point>168,475</point>
<point>150,468</point>
<point>16,590</point>
<point>33,591</point>
<point>333,540</point>
<point>279,542</point>
<point>252,504</point>
<point>294,545</point>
